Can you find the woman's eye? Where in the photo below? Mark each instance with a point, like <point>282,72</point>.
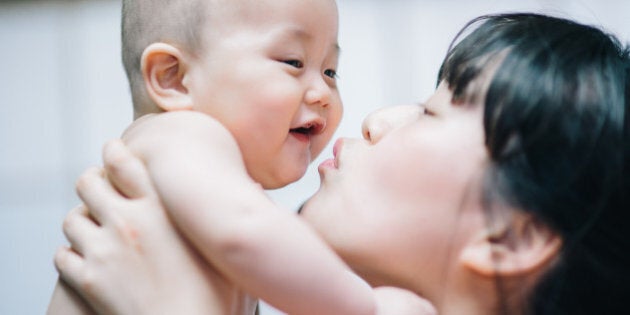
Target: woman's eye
<point>294,63</point>
<point>331,73</point>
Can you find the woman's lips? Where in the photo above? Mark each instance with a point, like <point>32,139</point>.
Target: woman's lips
<point>329,163</point>
<point>333,163</point>
<point>337,147</point>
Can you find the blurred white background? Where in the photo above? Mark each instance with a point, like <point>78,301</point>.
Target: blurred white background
<point>63,93</point>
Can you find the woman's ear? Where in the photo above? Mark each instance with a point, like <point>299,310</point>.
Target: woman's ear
<point>515,248</point>
<point>163,71</point>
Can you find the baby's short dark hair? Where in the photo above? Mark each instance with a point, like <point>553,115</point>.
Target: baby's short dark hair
<point>176,22</point>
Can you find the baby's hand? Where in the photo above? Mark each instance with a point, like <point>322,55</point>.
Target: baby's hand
<point>396,301</point>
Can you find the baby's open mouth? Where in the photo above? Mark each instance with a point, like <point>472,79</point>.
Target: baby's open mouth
<point>309,129</point>
<point>303,130</point>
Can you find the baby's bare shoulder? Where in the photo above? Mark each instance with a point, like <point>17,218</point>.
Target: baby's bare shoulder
<point>176,121</point>
<point>175,129</point>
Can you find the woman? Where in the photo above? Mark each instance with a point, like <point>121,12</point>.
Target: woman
<point>502,194</point>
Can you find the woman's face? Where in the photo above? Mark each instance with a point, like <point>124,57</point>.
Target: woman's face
<point>398,204</point>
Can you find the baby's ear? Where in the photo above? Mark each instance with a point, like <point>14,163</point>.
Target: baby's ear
<point>519,246</point>
<point>163,71</point>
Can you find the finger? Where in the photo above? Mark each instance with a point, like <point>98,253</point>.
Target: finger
<point>70,266</point>
<point>79,229</point>
<point>99,195</point>
<point>126,171</point>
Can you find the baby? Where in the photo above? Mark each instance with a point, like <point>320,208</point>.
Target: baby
<point>227,88</point>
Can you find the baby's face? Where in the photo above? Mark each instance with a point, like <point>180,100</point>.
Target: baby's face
<point>268,74</point>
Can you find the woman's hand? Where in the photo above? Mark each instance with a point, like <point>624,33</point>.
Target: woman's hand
<point>126,257</point>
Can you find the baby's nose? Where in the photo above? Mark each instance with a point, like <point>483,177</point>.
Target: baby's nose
<point>318,93</point>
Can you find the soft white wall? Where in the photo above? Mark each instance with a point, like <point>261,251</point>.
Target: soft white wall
<point>63,93</point>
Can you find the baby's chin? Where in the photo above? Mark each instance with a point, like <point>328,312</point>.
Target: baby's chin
<point>280,180</point>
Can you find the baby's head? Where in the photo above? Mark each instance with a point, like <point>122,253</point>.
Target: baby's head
<point>266,69</point>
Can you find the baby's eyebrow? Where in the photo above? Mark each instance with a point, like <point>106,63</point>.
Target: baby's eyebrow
<point>296,32</point>
<point>304,35</point>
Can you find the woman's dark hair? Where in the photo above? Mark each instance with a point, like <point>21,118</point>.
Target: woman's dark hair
<point>556,127</point>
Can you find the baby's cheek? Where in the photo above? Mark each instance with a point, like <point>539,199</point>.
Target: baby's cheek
<point>334,117</point>
<point>319,143</point>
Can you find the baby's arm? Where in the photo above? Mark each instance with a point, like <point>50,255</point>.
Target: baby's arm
<point>198,171</point>
<point>396,301</point>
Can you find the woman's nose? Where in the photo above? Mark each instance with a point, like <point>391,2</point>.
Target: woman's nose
<point>382,121</point>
